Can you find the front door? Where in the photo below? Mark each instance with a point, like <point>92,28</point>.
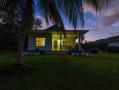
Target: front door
<point>56,45</point>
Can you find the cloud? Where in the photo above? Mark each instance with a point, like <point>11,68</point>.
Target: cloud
<point>106,23</point>
<point>88,8</point>
<point>107,18</point>
<point>111,16</point>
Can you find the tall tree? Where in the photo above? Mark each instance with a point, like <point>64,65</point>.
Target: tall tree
<point>52,10</point>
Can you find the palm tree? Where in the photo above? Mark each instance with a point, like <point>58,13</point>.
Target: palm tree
<point>52,10</point>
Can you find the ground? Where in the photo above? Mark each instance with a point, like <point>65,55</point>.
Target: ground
<point>54,72</point>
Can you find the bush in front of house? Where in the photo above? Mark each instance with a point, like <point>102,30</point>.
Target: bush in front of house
<point>93,51</point>
<point>42,52</point>
<point>113,49</point>
<point>69,52</point>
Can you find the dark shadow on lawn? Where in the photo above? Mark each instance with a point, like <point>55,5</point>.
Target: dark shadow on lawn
<point>15,69</point>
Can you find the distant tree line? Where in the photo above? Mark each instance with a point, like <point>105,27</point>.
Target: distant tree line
<point>100,46</point>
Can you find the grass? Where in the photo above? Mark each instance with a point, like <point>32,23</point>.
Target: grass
<point>100,72</point>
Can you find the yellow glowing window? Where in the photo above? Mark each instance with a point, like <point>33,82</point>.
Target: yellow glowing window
<point>40,41</point>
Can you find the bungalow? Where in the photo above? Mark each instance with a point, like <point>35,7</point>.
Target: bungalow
<point>110,44</point>
<point>113,41</point>
<point>54,38</point>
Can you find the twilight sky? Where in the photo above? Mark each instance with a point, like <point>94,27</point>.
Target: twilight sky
<point>103,25</point>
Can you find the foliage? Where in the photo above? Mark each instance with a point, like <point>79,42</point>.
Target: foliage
<point>113,49</point>
<point>89,45</point>
<point>37,23</point>
<point>8,39</point>
<point>99,46</point>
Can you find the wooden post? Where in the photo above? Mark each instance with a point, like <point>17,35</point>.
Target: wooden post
<point>79,43</point>
<point>60,42</point>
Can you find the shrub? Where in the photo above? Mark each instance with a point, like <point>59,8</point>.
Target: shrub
<point>113,49</point>
<point>69,52</point>
<point>93,51</point>
<point>42,52</point>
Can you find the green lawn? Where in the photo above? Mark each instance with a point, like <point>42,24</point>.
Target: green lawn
<point>100,72</point>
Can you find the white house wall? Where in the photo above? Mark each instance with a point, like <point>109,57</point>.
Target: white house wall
<point>114,44</point>
<point>32,42</point>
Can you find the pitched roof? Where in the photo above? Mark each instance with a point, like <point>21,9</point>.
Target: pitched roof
<point>113,39</point>
<point>57,29</point>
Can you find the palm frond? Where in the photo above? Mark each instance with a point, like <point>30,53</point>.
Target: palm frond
<point>73,10</point>
<point>98,5</point>
<point>2,4</point>
<point>50,11</point>
<point>23,8</point>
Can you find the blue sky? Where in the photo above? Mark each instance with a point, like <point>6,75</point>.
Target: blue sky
<point>103,25</point>
<point>97,31</point>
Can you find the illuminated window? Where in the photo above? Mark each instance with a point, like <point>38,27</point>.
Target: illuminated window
<point>40,41</point>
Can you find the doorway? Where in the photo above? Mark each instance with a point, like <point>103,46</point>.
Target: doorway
<point>56,45</point>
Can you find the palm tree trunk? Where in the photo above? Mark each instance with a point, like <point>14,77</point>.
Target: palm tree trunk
<point>20,44</point>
